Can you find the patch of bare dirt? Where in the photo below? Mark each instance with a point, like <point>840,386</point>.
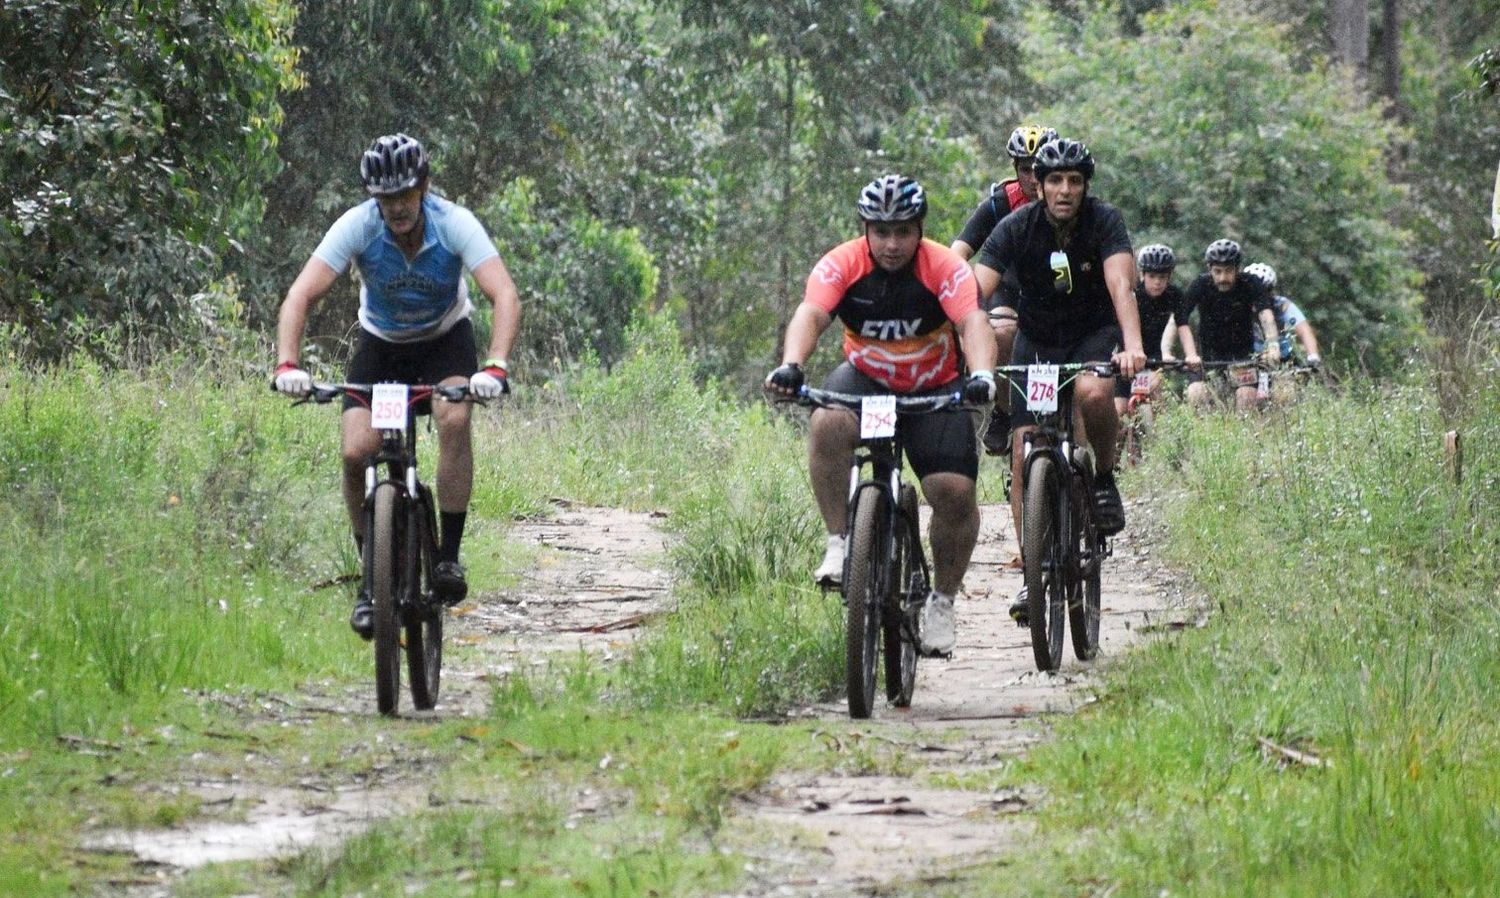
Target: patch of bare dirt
<point>837,834</point>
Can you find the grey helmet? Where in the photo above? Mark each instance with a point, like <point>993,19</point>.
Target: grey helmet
<point>1266,273</point>
<point>892,198</point>
<point>393,163</point>
<point>1156,258</point>
<point>1063,154</point>
<point>1223,252</point>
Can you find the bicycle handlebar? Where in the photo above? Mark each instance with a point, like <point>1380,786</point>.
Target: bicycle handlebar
<point>323,393</point>
<point>814,397</point>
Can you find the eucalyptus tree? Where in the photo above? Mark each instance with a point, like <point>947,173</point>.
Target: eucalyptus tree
<point>136,139</point>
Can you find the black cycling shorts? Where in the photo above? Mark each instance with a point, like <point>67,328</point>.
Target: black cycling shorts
<point>1098,346</point>
<point>422,362</point>
<point>941,442</point>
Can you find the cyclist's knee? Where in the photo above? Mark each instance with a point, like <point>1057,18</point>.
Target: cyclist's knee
<point>949,494</point>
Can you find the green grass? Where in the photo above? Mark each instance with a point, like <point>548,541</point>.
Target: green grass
<point>1356,620</point>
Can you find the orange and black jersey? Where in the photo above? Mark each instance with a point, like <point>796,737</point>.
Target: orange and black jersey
<point>898,325</point>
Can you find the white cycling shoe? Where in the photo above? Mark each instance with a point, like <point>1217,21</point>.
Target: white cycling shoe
<point>831,572</point>
<point>935,625</point>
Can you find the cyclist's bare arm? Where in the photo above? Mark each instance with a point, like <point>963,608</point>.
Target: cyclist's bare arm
<point>495,282</point>
<point>1120,278</point>
<point>1268,326</point>
<point>1167,334</point>
<point>807,325</point>
<point>314,281</point>
<point>978,339</point>
<point>1309,340</point>
<point>963,249</point>
<point>1189,345</point>
<point>988,279</point>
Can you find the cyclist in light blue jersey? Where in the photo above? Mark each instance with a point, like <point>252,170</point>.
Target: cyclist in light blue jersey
<point>411,248</point>
<point>1289,320</point>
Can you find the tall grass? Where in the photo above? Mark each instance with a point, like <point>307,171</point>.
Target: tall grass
<point>161,531</point>
<point>1356,597</point>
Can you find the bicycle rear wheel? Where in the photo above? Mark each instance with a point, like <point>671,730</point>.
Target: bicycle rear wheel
<point>384,548</point>
<point>424,616</point>
<point>906,583</point>
<point>864,596</point>
<point>1042,563</point>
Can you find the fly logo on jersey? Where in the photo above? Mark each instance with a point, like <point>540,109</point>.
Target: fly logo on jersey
<point>898,329</point>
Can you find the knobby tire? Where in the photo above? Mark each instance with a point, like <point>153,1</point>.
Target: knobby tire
<point>384,571</point>
<point>1042,563</point>
<point>863,599</point>
<point>424,617</point>
<point>905,582</point>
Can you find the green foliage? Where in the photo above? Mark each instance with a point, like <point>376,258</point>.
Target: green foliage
<point>582,279</point>
<point>1239,137</point>
<point>1352,588</point>
<point>138,137</point>
<point>158,540</point>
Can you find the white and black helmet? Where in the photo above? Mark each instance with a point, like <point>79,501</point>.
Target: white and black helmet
<point>1063,154</point>
<point>1156,258</point>
<point>1027,139</point>
<point>393,163</point>
<point>1223,252</point>
<point>892,198</point>
<point>1266,273</point>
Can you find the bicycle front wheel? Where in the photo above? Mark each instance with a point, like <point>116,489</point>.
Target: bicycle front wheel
<point>424,616</point>
<point>864,596</point>
<point>905,583</point>
<point>384,548</point>
<point>1042,552</point>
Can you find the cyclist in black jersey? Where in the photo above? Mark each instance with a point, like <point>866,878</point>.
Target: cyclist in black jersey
<point>1005,197</point>
<point>1159,301</point>
<point>1229,303</point>
<point>1069,256</point>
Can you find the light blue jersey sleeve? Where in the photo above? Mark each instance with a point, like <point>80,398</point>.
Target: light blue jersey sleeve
<point>463,235</point>
<point>348,236</point>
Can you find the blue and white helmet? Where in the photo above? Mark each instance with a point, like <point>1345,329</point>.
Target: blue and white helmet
<point>892,198</point>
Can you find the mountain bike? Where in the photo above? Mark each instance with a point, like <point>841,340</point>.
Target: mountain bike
<point>1062,550</point>
<point>400,545</point>
<point>1135,424</point>
<point>886,572</point>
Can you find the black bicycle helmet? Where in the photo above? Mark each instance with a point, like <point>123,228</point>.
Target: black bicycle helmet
<point>1027,139</point>
<point>1156,258</point>
<point>1223,252</point>
<point>1063,154</point>
<point>892,198</point>
<point>393,163</point>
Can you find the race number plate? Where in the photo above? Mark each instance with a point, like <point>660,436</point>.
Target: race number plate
<point>388,407</point>
<point>1141,385</point>
<point>1041,388</point>
<point>877,417</point>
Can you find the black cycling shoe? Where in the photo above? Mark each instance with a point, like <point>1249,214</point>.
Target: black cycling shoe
<point>362,620</point>
<point>1108,509</point>
<point>448,582</point>
<point>996,437</point>
<point>1020,609</point>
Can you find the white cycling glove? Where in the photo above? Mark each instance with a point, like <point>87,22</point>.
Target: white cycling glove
<point>489,382</point>
<point>292,380</point>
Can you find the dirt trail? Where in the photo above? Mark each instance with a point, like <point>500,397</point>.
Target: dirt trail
<point>599,576</point>
<point>858,835</point>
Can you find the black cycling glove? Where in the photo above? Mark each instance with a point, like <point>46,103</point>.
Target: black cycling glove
<point>980,388</point>
<point>787,379</point>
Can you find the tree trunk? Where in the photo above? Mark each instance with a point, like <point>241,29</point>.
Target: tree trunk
<point>1349,33</point>
<point>1390,56</point>
<point>784,304</point>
